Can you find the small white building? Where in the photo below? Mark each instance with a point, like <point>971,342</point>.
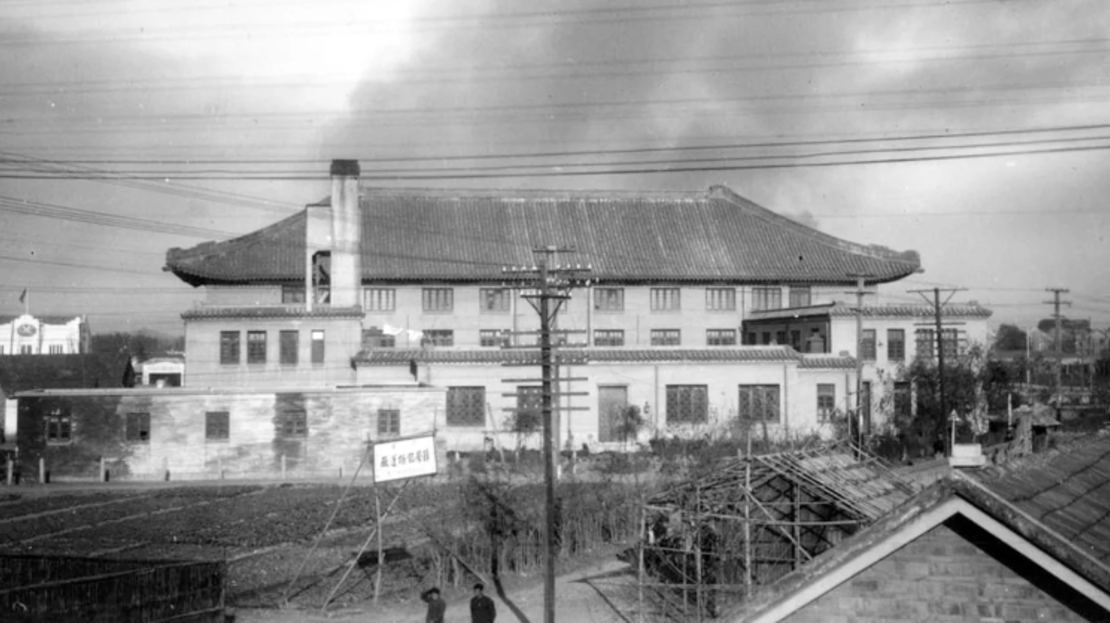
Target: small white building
<point>43,335</point>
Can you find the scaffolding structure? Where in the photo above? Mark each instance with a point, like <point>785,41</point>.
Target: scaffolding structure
<point>708,542</point>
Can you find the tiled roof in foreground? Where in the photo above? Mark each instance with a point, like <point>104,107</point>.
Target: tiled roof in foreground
<point>404,356</point>
<point>414,236</point>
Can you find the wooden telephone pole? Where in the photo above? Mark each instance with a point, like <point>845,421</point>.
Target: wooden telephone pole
<point>942,397</point>
<point>860,292</point>
<point>1058,345</point>
<point>546,286</point>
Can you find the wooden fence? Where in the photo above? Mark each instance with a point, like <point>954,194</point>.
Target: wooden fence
<point>58,588</point>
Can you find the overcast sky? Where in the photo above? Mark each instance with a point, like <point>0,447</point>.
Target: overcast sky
<point>164,124</point>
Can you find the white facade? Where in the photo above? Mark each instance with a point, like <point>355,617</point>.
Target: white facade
<point>29,335</point>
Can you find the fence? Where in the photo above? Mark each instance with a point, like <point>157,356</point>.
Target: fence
<point>50,588</point>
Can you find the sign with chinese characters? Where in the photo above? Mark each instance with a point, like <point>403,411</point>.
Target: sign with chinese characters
<point>404,458</point>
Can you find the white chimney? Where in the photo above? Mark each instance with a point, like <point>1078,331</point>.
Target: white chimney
<point>346,234</point>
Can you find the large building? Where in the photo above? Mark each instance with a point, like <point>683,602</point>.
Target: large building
<point>43,335</point>
<point>386,286</point>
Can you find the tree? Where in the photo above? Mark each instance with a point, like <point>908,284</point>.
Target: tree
<point>927,425</point>
<point>1010,337</point>
<point>141,345</point>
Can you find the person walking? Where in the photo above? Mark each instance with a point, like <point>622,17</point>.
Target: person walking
<point>437,608</point>
<point>482,609</point>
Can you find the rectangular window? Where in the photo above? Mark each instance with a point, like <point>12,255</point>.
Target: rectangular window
<point>26,349</point>
<point>291,295</point>
<point>138,427</point>
<point>759,403</point>
<point>439,299</point>
<point>800,296</point>
<point>765,297</point>
<point>868,350</point>
<point>666,337</point>
<point>288,342</point>
<point>466,406</point>
<point>292,421</point>
<point>796,340</point>
<point>58,426</point>
<point>720,299</point>
<point>529,408</point>
<point>766,335</point>
<point>926,342</point>
<point>902,399</point>
<point>389,421</point>
<point>56,349</point>
<point>609,299</point>
<point>826,401</point>
<point>256,347</point>
<point>687,404</point>
<point>439,337</point>
<point>780,337</point>
<point>494,300</point>
<point>608,338</point>
<point>666,299</point>
<point>317,346</point>
<point>751,339</point>
<point>720,337</point>
<point>229,347</point>
<point>379,299</point>
<point>896,344</point>
<point>496,338</point>
<point>217,425</point>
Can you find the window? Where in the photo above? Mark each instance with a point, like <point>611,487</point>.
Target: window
<point>466,406</point>
<point>494,300</point>
<point>138,427</point>
<point>379,299</point>
<point>796,340</point>
<point>896,344</point>
<point>751,340</point>
<point>720,337</point>
<point>759,403</point>
<point>868,349</point>
<point>493,337</point>
<point>439,337</point>
<point>317,346</point>
<point>826,401</point>
<point>288,343</point>
<point>608,337</point>
<point>764,297</point>
<point>26,349</point>
<point>926,342</point>
<point>56,349</point>
<point>217,425</point>
<point>720,299</point>
<point>229,347</point>
<point>609,299</point>
<point>800,296</point>
<point>256,347</point>
<point>389,421</point>
<point>666,337</point>
<point>687,404</point>
<point>780,337</point>
<point>766,335</point>
<point>375,338</point>
<point>439,299</point>
<point>292,421</point>
<point>291,295</point>
<point>529,408</point>
<point>902,399</point>
<point>666,299</point>
<point>58,426</point>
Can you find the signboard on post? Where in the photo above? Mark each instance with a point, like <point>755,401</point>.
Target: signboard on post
<point>404,458</point>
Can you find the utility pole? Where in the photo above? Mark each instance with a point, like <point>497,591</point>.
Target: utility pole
<point>1058,346</point>
<point>860,292</point>
<point>547,287</point>
<point>942,396</point>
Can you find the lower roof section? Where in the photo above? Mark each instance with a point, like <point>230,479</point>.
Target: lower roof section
<point>748,354</point>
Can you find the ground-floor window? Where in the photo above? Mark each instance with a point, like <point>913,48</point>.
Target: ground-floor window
<point>217,425</point>
<point>826,401</point>
<point>59,427</point>
<point>759,403</point>
<point>466,406</point>
<point>687,404</point>
<point>138,427</point>
<point>389,421</point>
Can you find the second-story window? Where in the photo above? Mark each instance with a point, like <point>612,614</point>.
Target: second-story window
<point>608,337</point>
<point>439,299</point>
<point>379,299</point>
<point>493,337</point>
<point>439,337</point>
<point>896,344</point>
<point>666,337</point>
<point>317,346</point>
<point>720,337</point>
<point>766,297</point>
<point>666,299</point>
<point>609,299</point>
<point>720,299</point>
<point>288,345</point>
<point>800,296</point>
<point>868,350</point>
<point>256,347</point>
<point>229,347</point>
<point>494,300</point>
<point>292,294</point>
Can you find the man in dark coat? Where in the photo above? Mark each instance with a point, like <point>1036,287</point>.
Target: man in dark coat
<point>482,609</point>
<point>436,606</point>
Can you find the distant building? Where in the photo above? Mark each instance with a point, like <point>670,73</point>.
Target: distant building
<point>45,335</point>
<point>384,286</point>
<point>163,371</point>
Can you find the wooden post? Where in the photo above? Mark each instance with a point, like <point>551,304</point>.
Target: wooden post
<point>42,470</point>
<point>11,470</point>
<point>220,467</point>
<point>283,468</point>
<point>103,471</point>
<point>381,549</point>
<point>748,520</point>
<point>640,562</point>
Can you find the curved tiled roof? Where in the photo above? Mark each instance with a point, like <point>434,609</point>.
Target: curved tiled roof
<point>894,310</point>
<point>397,357</point>
<point>412,236</point>
<point>271,311</point>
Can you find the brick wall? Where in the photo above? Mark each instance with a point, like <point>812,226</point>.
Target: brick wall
<point>942,576</point>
